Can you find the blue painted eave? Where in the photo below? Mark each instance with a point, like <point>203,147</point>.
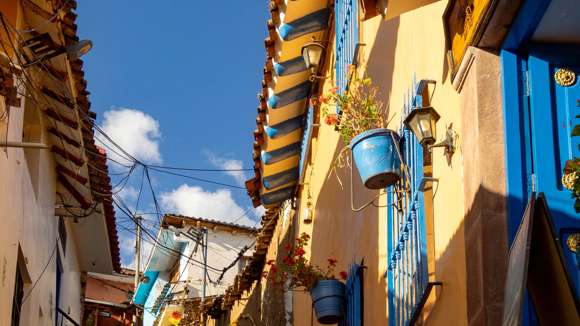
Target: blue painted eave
<point>284,128</point>
<point>291,95</point>
<point>310,23</point>
<point>281,153</point>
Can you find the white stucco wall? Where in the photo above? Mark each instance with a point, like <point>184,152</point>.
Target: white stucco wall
<point>28,222</point>
<point>223,248</point>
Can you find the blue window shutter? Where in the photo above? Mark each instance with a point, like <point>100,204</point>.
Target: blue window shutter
<point>346,27</point>
<point>354,297</point>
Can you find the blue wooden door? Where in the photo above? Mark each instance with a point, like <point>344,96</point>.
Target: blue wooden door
<point>554,107</point>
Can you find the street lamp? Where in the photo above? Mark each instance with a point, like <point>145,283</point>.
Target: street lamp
<point>423,123</point>
<point>312,54</point>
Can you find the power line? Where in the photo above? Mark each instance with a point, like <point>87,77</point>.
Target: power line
<point>126,211</point>
<point>198,169</point>
<point>196,178</point>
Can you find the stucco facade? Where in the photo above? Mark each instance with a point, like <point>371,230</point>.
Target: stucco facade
<point>466,220</point>
<point>57,210</point>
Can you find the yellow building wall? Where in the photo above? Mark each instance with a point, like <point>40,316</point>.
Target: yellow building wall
<point>395,52</point>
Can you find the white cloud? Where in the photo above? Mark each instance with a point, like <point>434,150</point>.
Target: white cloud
<point>259,211</point>
<point>128,194</point>
<point>127,246</point>
<point>135,131</point>
<point>228,164</point>
<point>196,202</point>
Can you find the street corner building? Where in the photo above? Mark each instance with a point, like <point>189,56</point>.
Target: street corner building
<point>179,280</point>
<point>57,211</point>
<point>453,206</point>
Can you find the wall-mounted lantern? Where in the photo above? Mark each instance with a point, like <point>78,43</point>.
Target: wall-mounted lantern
<point>308,210</point>
<point>312,54</point>
<point>423,123</point>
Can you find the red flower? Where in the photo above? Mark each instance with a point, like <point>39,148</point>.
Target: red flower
<point>288,247</point>
<point>288,261</point>
<point>331,119</point>
<point>343,275</point>
<point>332,261</point>
<point>334,90</point>
<point>299,252</point>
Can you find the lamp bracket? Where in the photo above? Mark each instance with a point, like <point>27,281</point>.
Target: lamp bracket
<point>448,142</point>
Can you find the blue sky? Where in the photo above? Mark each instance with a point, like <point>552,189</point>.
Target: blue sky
<point>175,84</point>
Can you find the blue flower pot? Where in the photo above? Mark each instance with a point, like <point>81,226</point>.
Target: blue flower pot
<point>375,156</point>
<point>328,299</point>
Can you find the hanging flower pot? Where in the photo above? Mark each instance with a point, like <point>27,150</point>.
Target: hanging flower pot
<point>328,300</point>
<point>376,158</point>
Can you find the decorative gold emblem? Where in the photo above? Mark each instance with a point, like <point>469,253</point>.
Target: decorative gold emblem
<point>573,241</point>
<point>565,77</point>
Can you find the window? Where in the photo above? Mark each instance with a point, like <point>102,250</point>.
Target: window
<point>58,293</point>
<point>346,26</point>
<point>407,270</point>
<point>22,282</point>
<point>18,296</point>
<point>62,234</point>
<point>354,297</point>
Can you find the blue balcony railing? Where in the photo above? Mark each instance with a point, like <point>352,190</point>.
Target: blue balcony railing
<point>407,270</point>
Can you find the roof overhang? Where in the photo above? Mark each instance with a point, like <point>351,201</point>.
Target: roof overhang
<point>286,87</point>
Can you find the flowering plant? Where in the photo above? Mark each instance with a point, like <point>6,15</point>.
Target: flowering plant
<point>360,109</point>
<point>298,270</point>
<point>571,177</point>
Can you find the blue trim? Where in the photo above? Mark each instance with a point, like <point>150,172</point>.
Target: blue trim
<point>306,137</point>
<point>346,26</point>
<point>517,150</point>
<point>284,128</point>
<point>529,16</point>
<point>354,297</point>
<point>280,179</point>
<point>145,288</point>
<point>290,95</point>
<point>290,67</point>
<point>407,270</point>
<point>277,196</point>
<point>310,23</point>
<point>280,153</point>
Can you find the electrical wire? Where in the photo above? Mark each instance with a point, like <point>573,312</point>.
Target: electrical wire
<point>197,169</point>
<point>41,274</point>
<point>120,205</point>
<point>196,178</point>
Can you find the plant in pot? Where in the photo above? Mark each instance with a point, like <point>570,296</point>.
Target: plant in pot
<point>295,271</point>
<point>571,177</point>
<point>360,124</point>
